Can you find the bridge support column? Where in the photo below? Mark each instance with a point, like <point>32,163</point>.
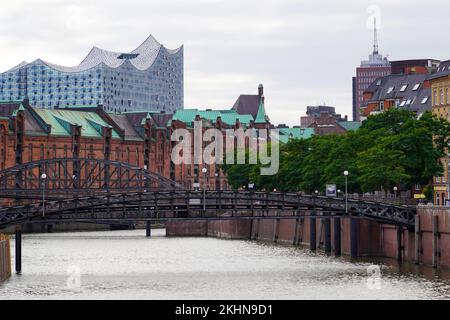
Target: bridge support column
<point>18,245</point>
<point>435,239</point>
<point>337,236</point>
<point>327,227</point>
<point>353,237</point>
<point>312,232</point>
<point>148,228</point>
<point>417,239</point>
<point>399,244</point>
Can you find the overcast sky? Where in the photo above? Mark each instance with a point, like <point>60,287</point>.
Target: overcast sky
<point>304,52</point>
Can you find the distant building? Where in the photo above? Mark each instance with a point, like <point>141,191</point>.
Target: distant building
<point>377,66</point>
<point>440,102</point>
<point>408,91</point>
<point>313,112</point>
<point>326,124</point>
<point>414,66</point>
<point>147,78</point>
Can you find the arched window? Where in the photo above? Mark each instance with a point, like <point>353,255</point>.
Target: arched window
<point>54,151</point>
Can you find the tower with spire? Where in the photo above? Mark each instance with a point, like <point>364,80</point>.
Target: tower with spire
<point>375,59</point>
<point>368,71</point>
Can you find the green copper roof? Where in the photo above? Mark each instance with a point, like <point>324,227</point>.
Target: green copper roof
<point>350,125</point>
<point>21,108</point>
<point>228,116</point>
<point>261,116</point>
<point>295,133</point>
<point>61,119</point>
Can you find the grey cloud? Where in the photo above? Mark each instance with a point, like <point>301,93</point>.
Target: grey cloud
<point>305,52</point>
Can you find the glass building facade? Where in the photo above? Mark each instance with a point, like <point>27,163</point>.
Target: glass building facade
<point>148,78</point>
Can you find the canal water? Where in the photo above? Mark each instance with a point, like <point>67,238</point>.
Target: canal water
<point>126,265</point>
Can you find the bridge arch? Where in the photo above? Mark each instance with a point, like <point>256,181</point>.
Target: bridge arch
<point>65,176</point>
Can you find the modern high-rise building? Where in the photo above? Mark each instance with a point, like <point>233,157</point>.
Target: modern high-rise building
<point>368,71</point>
<point>147,78</point>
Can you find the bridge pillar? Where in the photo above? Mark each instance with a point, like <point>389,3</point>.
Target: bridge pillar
<point>417,239</point>
<point>337,236</point>
<point>354,237</point>
<point>435,240</point>
<point>399,244</point>
<point>148,229</point>
<point>312,231</point>
<point>327,226</point>
<point>18,246</point>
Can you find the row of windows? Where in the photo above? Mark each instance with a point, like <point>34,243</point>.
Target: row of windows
<point>441,97</point>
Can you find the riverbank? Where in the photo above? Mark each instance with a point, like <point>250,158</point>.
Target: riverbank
<point>427,244</point>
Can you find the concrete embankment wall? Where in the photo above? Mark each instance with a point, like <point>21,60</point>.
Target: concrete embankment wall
<point>288,230</point>
<point>427,244</point>
<point>5,258</point>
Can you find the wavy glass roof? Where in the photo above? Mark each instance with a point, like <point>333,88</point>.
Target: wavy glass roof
<point>141,58</point>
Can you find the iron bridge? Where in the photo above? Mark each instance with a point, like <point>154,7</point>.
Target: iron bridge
<point>102,191</point>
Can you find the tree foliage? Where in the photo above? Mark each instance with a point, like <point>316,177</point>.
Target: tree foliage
<point>393,148</point>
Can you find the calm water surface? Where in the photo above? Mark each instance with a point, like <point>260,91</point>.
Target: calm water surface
<point>126,265</point>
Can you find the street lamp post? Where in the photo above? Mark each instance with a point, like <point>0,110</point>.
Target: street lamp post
<point>395,193</point>
<point>204,170</point>
<point>43,177</point>
<point>346,191</point>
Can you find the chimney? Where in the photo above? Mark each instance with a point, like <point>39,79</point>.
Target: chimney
<point>260,90</point>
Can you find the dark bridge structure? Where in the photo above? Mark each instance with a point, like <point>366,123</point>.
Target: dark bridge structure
<point>103,191</point>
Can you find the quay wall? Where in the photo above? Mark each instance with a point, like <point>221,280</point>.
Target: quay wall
<point>5,258</point>
<point>428,243</point>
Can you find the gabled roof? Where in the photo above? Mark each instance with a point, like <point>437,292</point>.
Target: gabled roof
<point>228,117</point>
<point>61,119</point>
<point>124,123</point>
<point>261,116</point>
<point>409,90</point>
<point>247,104</point>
